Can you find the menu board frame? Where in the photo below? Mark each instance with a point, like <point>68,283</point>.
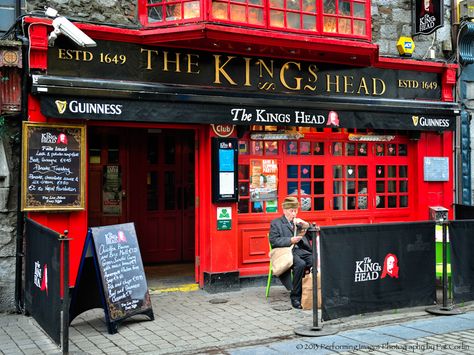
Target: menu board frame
<point>75,131</point>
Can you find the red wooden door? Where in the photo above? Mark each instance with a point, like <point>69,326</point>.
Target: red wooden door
<point>108,166</point>
<point>162,193</point>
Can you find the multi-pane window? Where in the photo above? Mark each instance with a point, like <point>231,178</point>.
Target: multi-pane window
<point>347,18</point>
<point>325,174</point>
<point>164,11</point>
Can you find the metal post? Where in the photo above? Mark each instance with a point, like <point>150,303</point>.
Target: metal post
<point>315,330</point>
<point>65,340</point>
<point>444,310</point>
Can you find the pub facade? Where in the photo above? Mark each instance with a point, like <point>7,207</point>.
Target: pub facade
<point>200,122</point>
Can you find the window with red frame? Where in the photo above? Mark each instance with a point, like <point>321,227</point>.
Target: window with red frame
<point>166,11</point>
<point>348,18</point>
<point>326,172</point>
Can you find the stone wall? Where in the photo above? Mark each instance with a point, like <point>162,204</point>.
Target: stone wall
<point>10,140</point>
<point>390,20</point>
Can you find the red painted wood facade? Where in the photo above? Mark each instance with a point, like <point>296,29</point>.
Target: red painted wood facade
<point>326,166</point>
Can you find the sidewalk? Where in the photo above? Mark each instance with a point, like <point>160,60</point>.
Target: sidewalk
<point>198,322</point>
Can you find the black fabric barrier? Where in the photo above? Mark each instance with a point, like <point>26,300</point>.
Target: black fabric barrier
<point>461,235</point>
<point>355,273</point>
<point>42,278</point>
<point>463,211</point>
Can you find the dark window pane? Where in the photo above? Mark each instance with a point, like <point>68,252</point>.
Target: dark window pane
<point>152,150</point>
<point>170,198</point>
<point>350,149</point>
<point>292,171</point>
<point>318,171</point>
<point>113,153</point>
<point>350,171</point>
<point>337,187</point>
<point>403,186</point>
<point>319,187</point>
<point>243,206</point>
<point>392,149</point>
<point>361,186</point>
<point>392,201</point>
<point>362,150</point>
<point>379,149</point>
<point>351,203</point>
<point>403,201</point>
<point>380,186</point>
<point>292,187</point>
<point>403,171</point>
<point>350,187</point>
<point>318,148</point>
<point>392,171</point>
<point>305,187</point>
<point>152,190</point>
<point>337,171</point>
<point>305,171</point>
<point>292,148</point>
<point>305,148</point>
<point>319,203</point>
<point>392,186</point>
<point>402,149</point>
<point>243,189</point>
<point>243,172</point>
<point>380,171</point>
<point>362,171</point>
<point>170,149</point>
<point>257,206</point>
<point>381,203</point>
<point>337,203</point>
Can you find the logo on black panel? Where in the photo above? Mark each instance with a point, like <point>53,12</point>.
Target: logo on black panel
<point>78,107</point>
<point>368,270</point>
<point>430,122</point>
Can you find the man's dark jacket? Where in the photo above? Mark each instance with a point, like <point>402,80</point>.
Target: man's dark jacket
<point>281,232</point>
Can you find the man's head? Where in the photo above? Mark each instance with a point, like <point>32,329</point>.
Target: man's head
<point>290,207</point>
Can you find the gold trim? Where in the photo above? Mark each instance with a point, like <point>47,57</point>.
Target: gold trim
<point>28,203</point>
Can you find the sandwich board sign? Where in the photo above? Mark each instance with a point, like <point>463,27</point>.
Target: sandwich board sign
<point>111,276</point>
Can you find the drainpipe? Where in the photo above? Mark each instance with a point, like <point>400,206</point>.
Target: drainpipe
<point>19,299</point>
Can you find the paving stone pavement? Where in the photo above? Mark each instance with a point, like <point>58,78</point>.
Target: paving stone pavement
<point>241,322</point>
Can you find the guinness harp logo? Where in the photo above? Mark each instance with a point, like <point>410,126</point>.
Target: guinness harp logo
<point>61,105</point>
<point>415,120</point>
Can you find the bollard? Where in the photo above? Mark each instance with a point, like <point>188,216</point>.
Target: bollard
<point>444,310</point>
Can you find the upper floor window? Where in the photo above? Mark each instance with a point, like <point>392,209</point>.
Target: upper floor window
<point>343,18</point>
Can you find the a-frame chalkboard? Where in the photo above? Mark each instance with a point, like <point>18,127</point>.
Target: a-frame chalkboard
<point>111,276</point>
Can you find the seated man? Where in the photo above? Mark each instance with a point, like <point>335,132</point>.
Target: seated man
<point>282,234</point>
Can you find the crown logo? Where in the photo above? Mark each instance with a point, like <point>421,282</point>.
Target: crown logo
<point>415,120</point>
<point>61,106</point>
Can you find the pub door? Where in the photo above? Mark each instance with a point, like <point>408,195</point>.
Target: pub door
<point>107,180</point>
<point>162,193</point>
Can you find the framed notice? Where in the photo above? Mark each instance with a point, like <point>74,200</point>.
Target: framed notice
<point>53,167</point>
<point>224,170</point>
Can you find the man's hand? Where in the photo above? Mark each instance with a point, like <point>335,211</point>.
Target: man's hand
<point>295,240</point>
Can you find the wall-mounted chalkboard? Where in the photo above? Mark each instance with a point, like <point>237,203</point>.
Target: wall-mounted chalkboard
<point>53,167</point>
<point>119,285</point>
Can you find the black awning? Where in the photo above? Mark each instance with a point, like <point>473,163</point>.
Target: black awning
<point>126,101</point>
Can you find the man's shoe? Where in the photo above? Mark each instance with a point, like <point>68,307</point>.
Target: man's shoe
<point>296,304</point>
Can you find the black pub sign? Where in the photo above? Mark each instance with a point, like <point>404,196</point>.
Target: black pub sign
<point>231,72</point>
<point>427,16</point>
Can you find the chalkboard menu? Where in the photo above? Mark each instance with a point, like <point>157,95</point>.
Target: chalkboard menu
<point>111,276</point>
<point>121,269</point>
<point>53,167</point>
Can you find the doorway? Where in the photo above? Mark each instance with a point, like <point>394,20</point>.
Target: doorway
<point>145,176</point>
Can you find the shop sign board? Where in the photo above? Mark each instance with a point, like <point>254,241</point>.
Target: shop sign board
<point>198,69</point>
<point>118,283</point>
<point>428,16</point>
<point>53,167</point>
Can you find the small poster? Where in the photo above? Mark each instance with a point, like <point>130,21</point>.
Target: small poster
<point>263,179</point>
<point>224,218</point>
